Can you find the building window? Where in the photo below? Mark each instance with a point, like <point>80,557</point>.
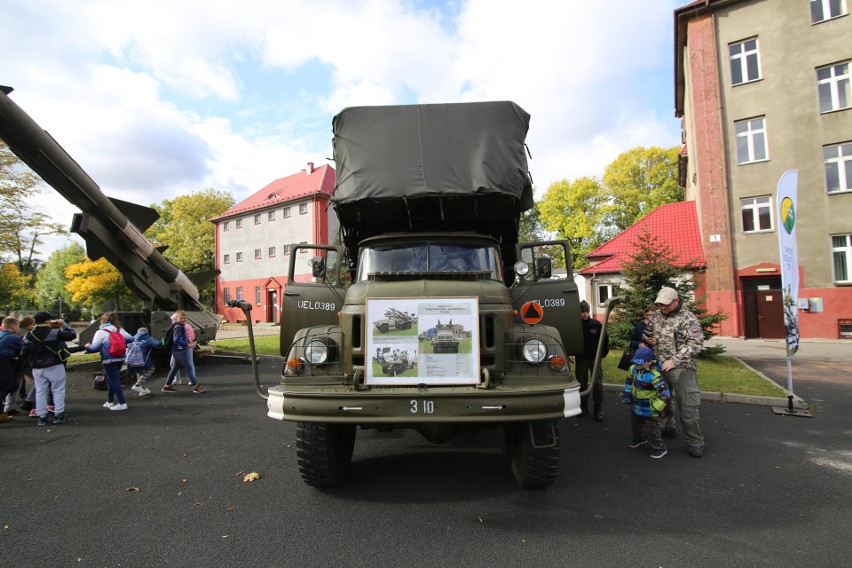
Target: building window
<point>838,167</point>
<point>285,212</point>
<point>271,215</point>
<point>257,295</point>
<point>239,257</point>
<point>303,208</point>
<point>271,253</point>
<point>257,219</point>
<point>833,87</point>
<point>227,295</point>
<point>239,292</point>
<point>841,252</point>
<point>745,61</point>
<point>239,223</point>
<point>751,140</point>
<point>285,250</point>
<point>756,213</point>
<point>604,293</point>
<point>257,254</point>
<point>303,250</point>
<point>822,10</point>
<point>226,259</point>
<point>226,225</point>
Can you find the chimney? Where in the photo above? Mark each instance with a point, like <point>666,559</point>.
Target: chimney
<point>310,169</point>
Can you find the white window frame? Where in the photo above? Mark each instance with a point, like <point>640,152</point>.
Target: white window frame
<point>257,295</point>
<point>226,295</point>
<point>742,58</point>
<point>838,160</point>
<point>285,250</point>
<point>258,254</point>
<point>601,299</point>
<point>271,215</point>
<point>841,255</point>
<point>827,9</point>
<point>303,208</point>
<point>834,84</point>
<point>239,257</point>
<point>226,259</point>
<point>752,206</point>
<point>239,292</point>
<point>755,128</point>
<point>257,218</point>
<point>285,212</point>
<point>271,252</point>
<point>239,223</point>
<point>226,225</point>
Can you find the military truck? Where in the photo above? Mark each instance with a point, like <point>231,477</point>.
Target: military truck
<point>394,319</point>
<point>445,340</point>
<point>429,199</point>
<point>395,362</point>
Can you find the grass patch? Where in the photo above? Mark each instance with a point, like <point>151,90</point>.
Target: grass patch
<point>719,374</point>
<point>263,345</point>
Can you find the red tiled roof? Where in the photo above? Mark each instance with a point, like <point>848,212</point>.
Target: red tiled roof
<point>303,184</point>
<point>674,224</point>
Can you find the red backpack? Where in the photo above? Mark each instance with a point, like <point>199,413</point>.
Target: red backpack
<point>117,344</point>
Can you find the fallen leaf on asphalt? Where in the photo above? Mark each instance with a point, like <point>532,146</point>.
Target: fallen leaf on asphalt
<point>183,480</point>
<point>231,508</point>
<point>198,504</point>
<point>481,520</point>
<point>239,473</point>
<point>133,489</point>
<point>253,476</point>
<point>185,455</point>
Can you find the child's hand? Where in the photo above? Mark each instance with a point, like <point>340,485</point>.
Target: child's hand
<point>626,399</point>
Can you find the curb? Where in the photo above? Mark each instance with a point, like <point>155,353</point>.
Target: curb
<point>736,398</point>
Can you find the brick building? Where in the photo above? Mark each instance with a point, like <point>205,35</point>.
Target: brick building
<point>253,238</point>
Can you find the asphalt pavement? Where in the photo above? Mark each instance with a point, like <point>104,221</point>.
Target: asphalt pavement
<point>161,484</point>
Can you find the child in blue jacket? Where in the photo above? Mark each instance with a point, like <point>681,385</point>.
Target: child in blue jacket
<point>647,394</point>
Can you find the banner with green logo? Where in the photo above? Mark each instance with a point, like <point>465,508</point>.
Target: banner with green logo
<point>789,256</point>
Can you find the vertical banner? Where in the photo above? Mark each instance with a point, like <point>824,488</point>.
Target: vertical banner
<point>787,211</point>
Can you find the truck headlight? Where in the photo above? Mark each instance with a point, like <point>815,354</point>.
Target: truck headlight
<point>317,352</point>
<point>534,350</point>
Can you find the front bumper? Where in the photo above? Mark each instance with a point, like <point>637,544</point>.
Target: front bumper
<point>342,404</point>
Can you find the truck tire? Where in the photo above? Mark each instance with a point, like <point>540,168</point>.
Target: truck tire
<point>455,348</point>
<point>324,452</point>
<point>533,465</point>
<point>384,328</point>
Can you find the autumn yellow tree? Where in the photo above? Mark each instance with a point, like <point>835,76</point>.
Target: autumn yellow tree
<point>571,210</point>
<point>16,291</point>
<point>97,283</point>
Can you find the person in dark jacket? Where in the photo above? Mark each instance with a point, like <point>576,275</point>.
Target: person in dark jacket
<point>43,347</point>
<point>181,347</point>
<point>585,362</point>
<point>10,364</point>
<point>637,340</point>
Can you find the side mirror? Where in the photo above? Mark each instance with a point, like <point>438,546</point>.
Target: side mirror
<point>318,267</point>
<point>544,267</point>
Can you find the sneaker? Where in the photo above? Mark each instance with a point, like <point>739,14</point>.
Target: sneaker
<point>33,413</point>
<point>4,417</point>
<point>144,392</point>
<point>61,418</point>
<point>657,454</point>
<point>42,421</point>
<point>50,408</point>
<point>670,433</point>
<point>137,388</point>
<point>635,444</point>
<point>696,451</point>
<point>598,415</point>
<point>168,388</point>
<point>109,404</point>
<point>198,389</point>
<point>119,407</point>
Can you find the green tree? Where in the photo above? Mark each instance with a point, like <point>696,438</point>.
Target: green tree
<point>572,210</point>
<point>97,284</point>
<point>20,227</point>
<point>184,226</point>
<point>653,265</point>
<point>638,181</point>
<point>51,283</point>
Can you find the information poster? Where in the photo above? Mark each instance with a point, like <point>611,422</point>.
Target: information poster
<point>432,341</point>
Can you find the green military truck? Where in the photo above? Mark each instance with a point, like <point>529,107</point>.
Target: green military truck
<point>429,199</point>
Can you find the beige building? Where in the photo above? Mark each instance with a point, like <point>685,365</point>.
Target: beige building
<point>763,86</point>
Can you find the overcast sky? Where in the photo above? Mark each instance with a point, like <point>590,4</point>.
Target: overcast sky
<point>160,98</point>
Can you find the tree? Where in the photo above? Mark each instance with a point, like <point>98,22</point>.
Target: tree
<point>572,211</point>
<point>653,265</point>
<point>184,226</point>
<point>15,289</point>
<point>20,227</point>
<point>639,181</point>
<point>51,283</point>
<point>98,283</point>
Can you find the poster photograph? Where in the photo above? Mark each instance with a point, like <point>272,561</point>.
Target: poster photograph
<point>432,341</point>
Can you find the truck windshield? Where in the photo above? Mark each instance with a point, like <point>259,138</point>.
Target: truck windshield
<point>429,257</point>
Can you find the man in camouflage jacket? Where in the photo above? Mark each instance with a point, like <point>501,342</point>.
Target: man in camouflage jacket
<point>677,338</point>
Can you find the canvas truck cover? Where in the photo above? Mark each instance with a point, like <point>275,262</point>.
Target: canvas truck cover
<point>460,166</point>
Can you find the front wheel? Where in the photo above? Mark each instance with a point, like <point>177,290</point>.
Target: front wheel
<point>324,452</point>
<point>533,450</point>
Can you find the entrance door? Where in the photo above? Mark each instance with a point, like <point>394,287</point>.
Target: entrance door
<point>770,314</point>
<point>272,305</point>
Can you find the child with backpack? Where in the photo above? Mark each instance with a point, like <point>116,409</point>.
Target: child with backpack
<point>139,361</point>
<point>648,395</point>
<point>111,342</point>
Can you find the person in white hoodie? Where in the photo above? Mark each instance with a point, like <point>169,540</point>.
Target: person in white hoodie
<point>111,363</point>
